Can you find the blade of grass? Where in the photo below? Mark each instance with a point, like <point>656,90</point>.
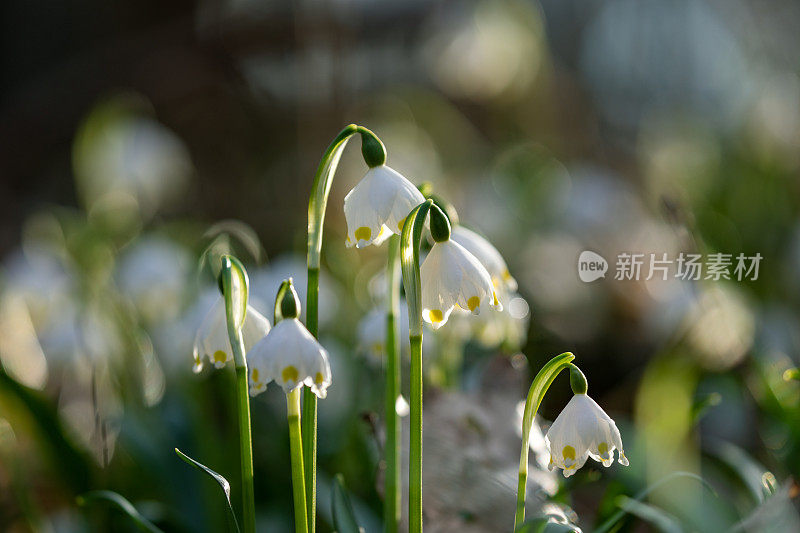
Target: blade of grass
<point>120,503</point>
<point>223,483</point>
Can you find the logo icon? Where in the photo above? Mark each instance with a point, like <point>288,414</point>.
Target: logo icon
<point>591,266</point>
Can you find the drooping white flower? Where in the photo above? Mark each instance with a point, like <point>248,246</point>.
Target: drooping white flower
<point>290,356</point>
<point>378,206</point>
<point>488,255</point>
<point>583,430</point>
<point>212,338</point>
<point>451,276</point>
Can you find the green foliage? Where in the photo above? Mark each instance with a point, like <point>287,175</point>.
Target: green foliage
<point>221,481</point>
<point>120,503</point>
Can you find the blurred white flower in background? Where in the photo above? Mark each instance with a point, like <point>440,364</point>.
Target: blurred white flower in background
<point>485,50</point>
<point>212,339</point>
<point>125,159</point>
<point>720,326</point>
<point>153,273</point>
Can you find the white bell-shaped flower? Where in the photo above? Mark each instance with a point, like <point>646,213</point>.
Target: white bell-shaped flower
<point>451,276</point>
<point>583,430</point>
<point>290,356</point>
<point>212,338</point>
<point>488,255</point>
<point>378,206</point>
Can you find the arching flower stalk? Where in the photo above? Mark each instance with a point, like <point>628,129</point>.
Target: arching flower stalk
<point>582,429</point>
<point>234,285</point>
<point>317,204</point>
<point>374,209</point>
<point>291,357</point>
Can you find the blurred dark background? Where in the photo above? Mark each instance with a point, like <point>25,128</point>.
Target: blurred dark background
<point>130,130</point>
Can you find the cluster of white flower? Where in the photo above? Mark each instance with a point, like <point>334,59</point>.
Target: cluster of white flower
<point>287,353</point>
<point>461,271</point>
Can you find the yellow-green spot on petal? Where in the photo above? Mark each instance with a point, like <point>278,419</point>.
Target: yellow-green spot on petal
<point>494,296</point>
<point>506,275</point>
<point>473,302</point>
<point>602,449</point>
<point>436,315</point>
<point>400,224</point>
<point>363,233</point>
<point>220,356</point>
<point>569,453</point>
<point>318,379</point>
<point>289,374</point>
<point>255,375</point>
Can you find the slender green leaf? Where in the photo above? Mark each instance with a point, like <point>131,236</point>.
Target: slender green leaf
<point>120,503</point>
<point>659,518</point>
<point>750,471</point>
<point>612,520</point>
<point>223,483</point>
<point>344,519</point>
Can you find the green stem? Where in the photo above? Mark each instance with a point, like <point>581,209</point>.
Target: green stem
<point>536,393</point>
<point>409,253</point>
<point>246,450</point>
<point>415,456</point>
<point>296,448</point>
<point>317,204</point>
<point>391,504</point>
<point>235,289</point>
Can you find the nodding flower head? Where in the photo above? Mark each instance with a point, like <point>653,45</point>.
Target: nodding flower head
<point>212,338</point>
<point>583,430</point>
<point>451,276</point>
<point>291,357</point>
<point>378,206</point>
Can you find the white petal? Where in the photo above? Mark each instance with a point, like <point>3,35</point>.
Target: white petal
<point>291,356</point>
<point>487,254</point>
<point>587,430</point>
<point>377,204</point>
<point>451,275</point>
